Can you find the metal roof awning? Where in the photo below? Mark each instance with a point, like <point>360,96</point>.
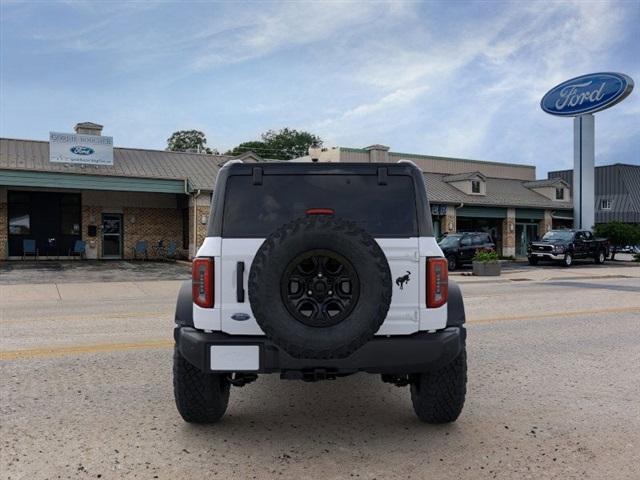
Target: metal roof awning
<point>30,178</point>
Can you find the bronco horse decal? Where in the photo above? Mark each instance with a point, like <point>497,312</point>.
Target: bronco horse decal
<point>400,281</point>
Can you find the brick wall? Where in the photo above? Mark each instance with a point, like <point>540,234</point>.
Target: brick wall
<point>92,216</point>
<point>201,229</point>
<point>202,211</point>
<point>151,224</point>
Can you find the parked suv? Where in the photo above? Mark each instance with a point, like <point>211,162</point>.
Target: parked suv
<point>317,271</point>
<point>459,248</point>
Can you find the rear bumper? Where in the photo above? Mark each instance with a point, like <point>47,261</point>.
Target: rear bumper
<point>398,355</point>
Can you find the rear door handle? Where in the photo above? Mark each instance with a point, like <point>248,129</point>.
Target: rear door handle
<point>240,282</point>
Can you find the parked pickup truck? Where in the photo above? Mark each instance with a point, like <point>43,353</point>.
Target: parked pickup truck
<point>565,246</point>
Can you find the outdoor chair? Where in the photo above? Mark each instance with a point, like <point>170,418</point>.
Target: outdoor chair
<point>29,248</point>
<point>159,249</point>
<point>172,249</point>
<point>142,249</point>
<point>79,248</point>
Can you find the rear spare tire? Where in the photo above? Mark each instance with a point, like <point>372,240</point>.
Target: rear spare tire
<point>320,287</point>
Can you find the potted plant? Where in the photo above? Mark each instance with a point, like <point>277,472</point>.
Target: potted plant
<point>486,264</point>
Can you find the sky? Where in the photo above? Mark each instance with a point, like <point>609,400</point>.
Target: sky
<point>449,78</point>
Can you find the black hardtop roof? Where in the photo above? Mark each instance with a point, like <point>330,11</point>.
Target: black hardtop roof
<point>326,168</point>
<point>425,228</point>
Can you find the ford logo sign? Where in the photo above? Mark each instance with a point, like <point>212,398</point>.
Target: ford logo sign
<point>587,94</point>
<point>240,317</point>
<point>79,150</point>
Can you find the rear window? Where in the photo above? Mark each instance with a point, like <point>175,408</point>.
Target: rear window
<point>254,211</point>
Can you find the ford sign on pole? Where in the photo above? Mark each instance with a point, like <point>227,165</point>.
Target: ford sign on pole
<point>580,97</point>
<point>587,94</point>
<point>77,148</point>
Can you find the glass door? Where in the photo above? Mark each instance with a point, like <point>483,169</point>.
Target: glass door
<point>111,235</point>
<point>525,233</point>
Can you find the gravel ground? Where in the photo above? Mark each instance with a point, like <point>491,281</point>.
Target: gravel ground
<point>49,271</point>
<point>549,397</point>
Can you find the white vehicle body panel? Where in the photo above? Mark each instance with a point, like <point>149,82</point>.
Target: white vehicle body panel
<point>407,314</point>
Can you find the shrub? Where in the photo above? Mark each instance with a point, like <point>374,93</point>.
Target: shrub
<point>483,256</point>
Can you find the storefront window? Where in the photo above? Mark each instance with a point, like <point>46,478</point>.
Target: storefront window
<point>69,220</point>
<point>19,220</point>
<point>51,219</point>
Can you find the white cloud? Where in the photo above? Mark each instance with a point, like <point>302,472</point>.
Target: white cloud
<point>484,80</point>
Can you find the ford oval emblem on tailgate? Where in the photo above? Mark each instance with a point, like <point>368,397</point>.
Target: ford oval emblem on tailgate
<point>241,317</point>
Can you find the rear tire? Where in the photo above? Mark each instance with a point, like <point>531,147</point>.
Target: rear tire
<point>600,257</point>
<point>438,397</point>
<point>200,397</point>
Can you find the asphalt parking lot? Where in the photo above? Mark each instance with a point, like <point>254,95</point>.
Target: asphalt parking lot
<point>553,388</point>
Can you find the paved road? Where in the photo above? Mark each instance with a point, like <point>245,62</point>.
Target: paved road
<point>553,393</point>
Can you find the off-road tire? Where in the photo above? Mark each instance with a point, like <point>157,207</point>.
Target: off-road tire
<point>200,397</point>
<point>304,235</point>
<point>567,261</point>
<point>533,261</point>
<point>438,397</point>
<point>452,263</point>
<point>600,257</point>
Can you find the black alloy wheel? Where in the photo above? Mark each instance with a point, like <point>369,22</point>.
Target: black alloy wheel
<point>320,288</point>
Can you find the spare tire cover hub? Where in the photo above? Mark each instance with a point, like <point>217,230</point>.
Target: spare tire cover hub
<point>320,288</point>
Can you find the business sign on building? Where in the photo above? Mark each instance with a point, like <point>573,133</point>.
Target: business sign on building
<point>80,149</point>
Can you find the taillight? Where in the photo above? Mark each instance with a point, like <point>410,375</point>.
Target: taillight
<point>437,282</point>
<point>202,282</point>
<point>320,211</point>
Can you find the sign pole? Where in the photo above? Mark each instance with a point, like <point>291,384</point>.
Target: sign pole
<point>583,172</point>
<point>579,98</point>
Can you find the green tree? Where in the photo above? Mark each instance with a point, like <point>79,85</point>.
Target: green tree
<point>619,234</point>
<point>188,141</point>
<point>284,144</point>
<point>258,147</point>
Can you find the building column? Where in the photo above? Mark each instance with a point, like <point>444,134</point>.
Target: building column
<point>449,220</point>
<point>509,234</point>
<point>545,224</point>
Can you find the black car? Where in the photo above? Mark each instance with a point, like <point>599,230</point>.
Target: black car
<point>459,248</point>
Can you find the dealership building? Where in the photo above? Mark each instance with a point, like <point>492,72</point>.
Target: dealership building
<point>131,195</point>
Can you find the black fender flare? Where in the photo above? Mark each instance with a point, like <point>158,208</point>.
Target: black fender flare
<point>184,306</point>
<point>455,306</point>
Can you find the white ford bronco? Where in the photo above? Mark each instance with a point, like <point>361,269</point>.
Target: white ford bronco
<point>317,271</point>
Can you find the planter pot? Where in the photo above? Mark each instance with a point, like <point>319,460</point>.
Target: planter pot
<point>486,269</point>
